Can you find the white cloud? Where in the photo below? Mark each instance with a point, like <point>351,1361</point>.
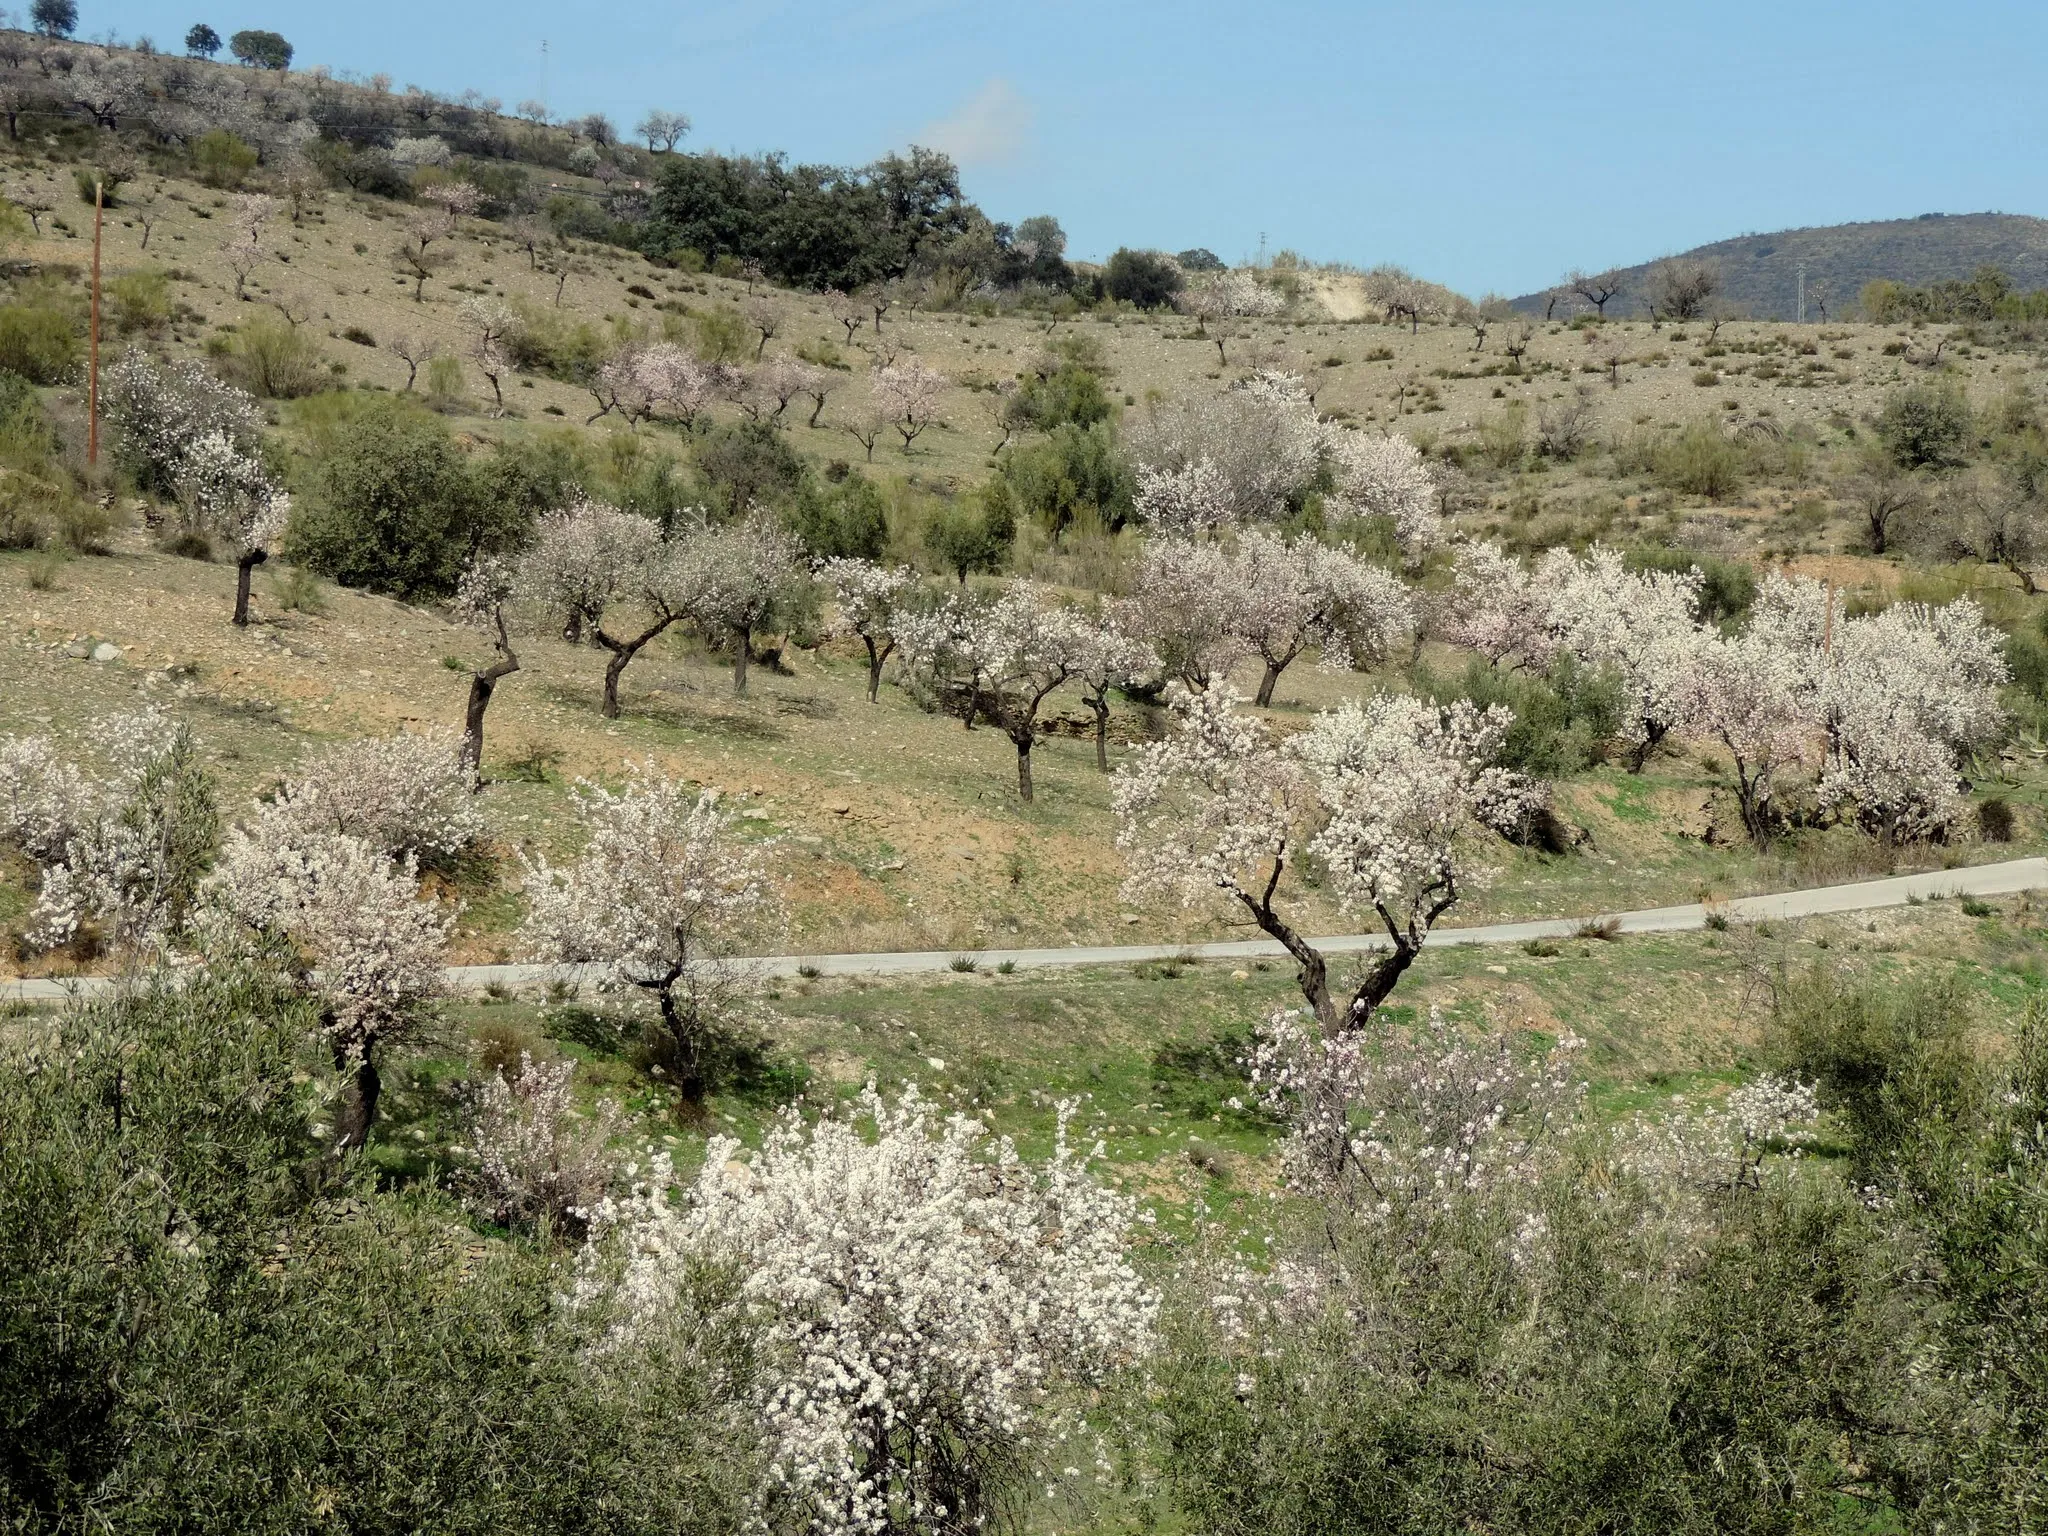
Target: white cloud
<point>990,127</point>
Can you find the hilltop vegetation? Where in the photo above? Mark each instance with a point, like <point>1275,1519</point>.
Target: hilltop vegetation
<point>1759,274</point>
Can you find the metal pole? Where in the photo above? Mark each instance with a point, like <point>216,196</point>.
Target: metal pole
<point>92,386</point>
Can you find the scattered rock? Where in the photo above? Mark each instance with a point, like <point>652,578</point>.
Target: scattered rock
<point>1130,918</point>
<point>1498,970</point>
<point>76,650</point>
<point>893,864</point>
<point>838,807</point>
<point>1240,975</point>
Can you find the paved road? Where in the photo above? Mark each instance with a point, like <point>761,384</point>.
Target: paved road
<point>1861,896</point>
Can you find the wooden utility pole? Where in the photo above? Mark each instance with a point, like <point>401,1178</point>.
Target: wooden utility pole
<point>92,382</point>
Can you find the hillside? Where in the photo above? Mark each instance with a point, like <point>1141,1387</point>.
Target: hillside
<point>1760,272</point>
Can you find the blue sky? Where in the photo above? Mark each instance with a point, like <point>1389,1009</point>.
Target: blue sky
<point>1486,145</point>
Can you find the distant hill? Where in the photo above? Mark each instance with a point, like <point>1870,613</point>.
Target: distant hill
<point>1760,272</point>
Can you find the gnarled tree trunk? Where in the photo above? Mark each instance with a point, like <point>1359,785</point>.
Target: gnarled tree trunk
<point>249,561</point>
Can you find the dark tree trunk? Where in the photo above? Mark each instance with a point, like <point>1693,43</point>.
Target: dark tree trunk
<point>243,567</point>
<point>357,1111</point>
<point>481,686</point>
<point>1312,971</point>
<point>687,1063</point>
<point>1268,683</point>
<point>743,640</point>
<point>1100,704</point>
<point>623,651</point>
<point>877,656</point>
<point>1653,737</point>
<point>1023,768</point>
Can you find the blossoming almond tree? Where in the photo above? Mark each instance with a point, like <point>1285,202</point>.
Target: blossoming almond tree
<point>1418,1116</point>
<point>1184,600</point>
<point>1497,608</point>
<point>408,796</point>
<point>1386,477</point>
<point>1220,300</point>
<point>1185,501</point>
<point>1638,624</point>
<point>1110,656</point>
<point>533,1161</point>
<point>123,845</point>
<point>362,941</point>
<point>1903,694</point>
<point>737,579</point>
<point>658,900</point>
<point>1261,440</point>
<point>1754,692</point>
<point>481,596</point>
<point>907,391</point>
<point>228,493</point>
<point>588,560</point>
<point>932,1308</point>
<point>1381,793</point>
<point>867,595</point>
<point>1290,594</point>
<point>1002,656</point>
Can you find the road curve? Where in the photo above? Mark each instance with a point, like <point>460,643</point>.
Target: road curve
<point>1859,896</point>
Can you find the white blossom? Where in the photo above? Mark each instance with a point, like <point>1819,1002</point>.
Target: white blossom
<point>364,941</point>
<point>867,597</point>
<point>1386,477</point>
<point>1184,600</point>
<point>1186,501</point>
<point>1262,442</point>
<point>407,795</point>
<point>929,1303</point>
<point>533,1158</point>
<point>121,844</point>
<point>1290,594</point>
<point>1000,657</point>
<point>1720,1144</point>
<point>1903,694</point>
<point>1416,1116</point>
<point>658,901</point>
<point>1382,793</point>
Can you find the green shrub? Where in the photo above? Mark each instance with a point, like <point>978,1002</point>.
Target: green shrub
<point>847,519</point>
<point>174,1253</point>
<point>721,336</point>
<point>973,534</point>
<point>743,462</point>
<point>1727,592</point>
<point>392,505</point>
<point>1146,279</point>
<point>1886,1057</point>
<point>139,301</point>
<point>546,341</point>
<point>86,178</point>
<point>1699,461</point>
<point>445,383</point>
<point>219,159</point>
<point>1074,478</point>
<point>1069,395</point>
<point>1504,436</point>
<point>276,360</point>
<point>39,342</point>
<point>1926,425</point>
<point>1563,721</point>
